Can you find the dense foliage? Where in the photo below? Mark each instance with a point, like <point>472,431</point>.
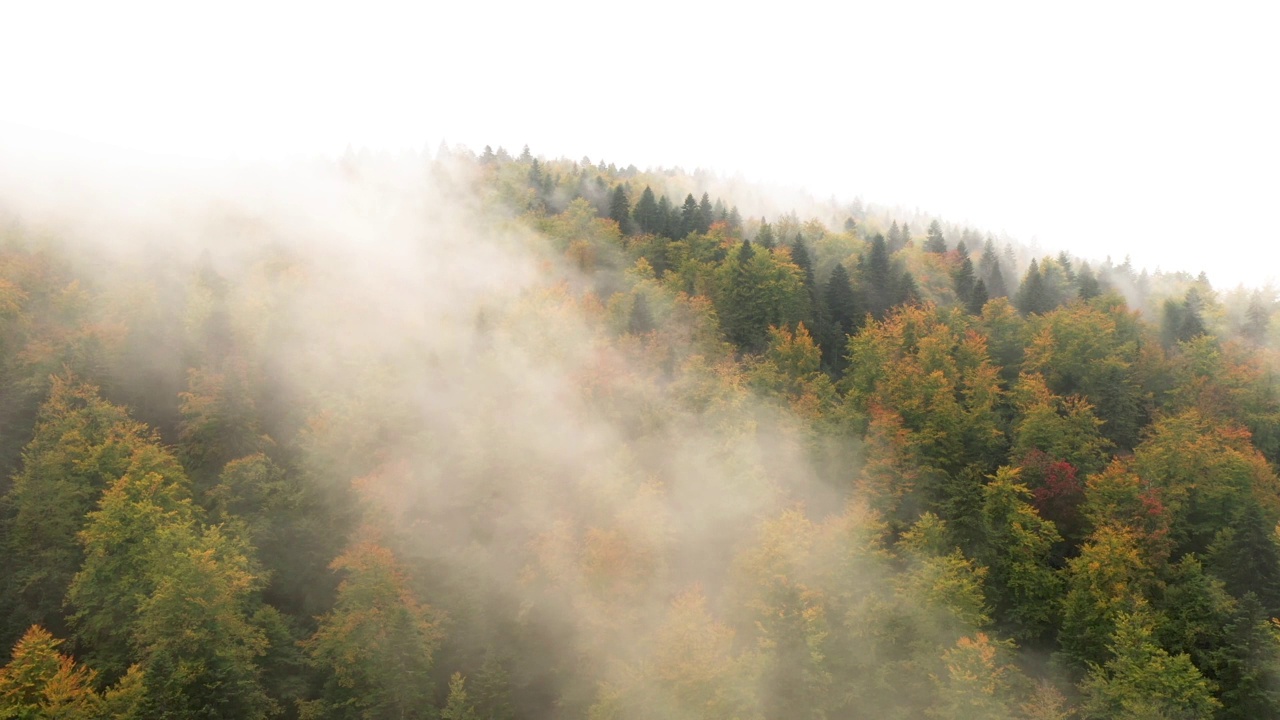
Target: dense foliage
<point>504,437</point>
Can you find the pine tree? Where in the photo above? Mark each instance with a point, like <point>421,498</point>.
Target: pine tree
<point>646,213</point>
<point>877,278</point>
<point>457,707</point>
<point>706,214</point>
<point>668,221</point>
<point>1033,296</point>
<point>895,237</point>
<point>800,256</point>
<point>690,217</point>
<point>641,319</point>
<point>735,220</point>
<point>990,272</point>
<point>1088,283</point>
<point>962,278</point>
<point>1246,557</point>
<point>764,238</point>
<point>935,242</point>
<point>1257,320</point>
<point>620,209</point>
<point>978,299</point>
<point>841,301</point>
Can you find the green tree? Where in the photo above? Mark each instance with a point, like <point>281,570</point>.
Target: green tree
<point>457,706</point>
<point>989,271</point>
<point>962,276</point>
<point>1033,296</point>
<point>842,303</point>
<point>935,242</point>
<point>620,209</point>
<point>377,644</point>
<point>1141,681</point>
<point>1017,550</point>
<point>646,213</point>
<point>81,444</point>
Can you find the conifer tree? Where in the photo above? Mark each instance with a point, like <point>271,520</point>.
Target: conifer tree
<point>1033,297</point>
<point>620,209</point>
<point>735,220</point>
<point>1089,287</point>
<point>841,301</point>
<point>764,238</point>
<point>706,214</point>
<point>646,213</point>
<point>690,217</point>
<point>990,272</point>
<point>935,243</point>
<point>962,278</point>
<point>978,298</point>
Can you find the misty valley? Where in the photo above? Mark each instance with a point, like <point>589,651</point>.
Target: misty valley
<point>494,436</point>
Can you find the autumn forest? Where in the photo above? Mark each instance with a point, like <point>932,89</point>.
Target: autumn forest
<point>492,436</point>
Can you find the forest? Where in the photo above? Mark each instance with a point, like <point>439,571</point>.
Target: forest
<point>493,436</point>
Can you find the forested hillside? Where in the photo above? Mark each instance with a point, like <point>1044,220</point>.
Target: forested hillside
<point>483,437</point>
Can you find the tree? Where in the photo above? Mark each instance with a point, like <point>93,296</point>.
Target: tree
<point>1105,581</point>
<point>989,271</point>
<point>764,238</point>
<point>1142,681</point>
<point>935,243</point>
<point>841,301</point>
<point>690,217</point>
<point>377,643</point>
<point>646,213</point>
<point>1246,664</point>
<point>706,214</point>
<point>456,706</point>
<point>895,240</point>
<point>81,444</point>
<point>877,276</point>
<point>978,299</point>
<point>1088,283</point>
<point>41,682</point>
<point>1257,320</point>
<point>1033,297</point>
<point>620,209</point>
<point>962,278</point>
<point>1017,550</point>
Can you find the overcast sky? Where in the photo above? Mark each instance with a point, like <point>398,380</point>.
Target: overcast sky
<point>1104,128</point>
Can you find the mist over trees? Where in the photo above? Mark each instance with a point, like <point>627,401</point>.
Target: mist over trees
<point>495,436</point>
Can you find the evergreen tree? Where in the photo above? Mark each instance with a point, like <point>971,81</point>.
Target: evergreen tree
<point>457,706</point>
<point>841,301</point>
<point>706,214</point>
<point>962,277</point>
<point>620,209</point>
<point>990,272</point>
<point>668,224</point>
<point>800,256</point>
<point>1141,681</point>
<point>764,238</point>
<point>735,220</point>
<point>850,225</point>
<point>877,278</point>
<point>690,218</point>
<point>935,243</point>
<point>978,299</point>
<point>641,319</point>
<point>1245,555</point>
<point>1088,283</point>
<point>1247,664</point>
<point>1033,296</point>
<point>895,237</point>
<point>646,213</point>
<point>1257,320</point>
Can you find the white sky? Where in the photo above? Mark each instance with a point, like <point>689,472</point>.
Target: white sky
<point>1105,128</point>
